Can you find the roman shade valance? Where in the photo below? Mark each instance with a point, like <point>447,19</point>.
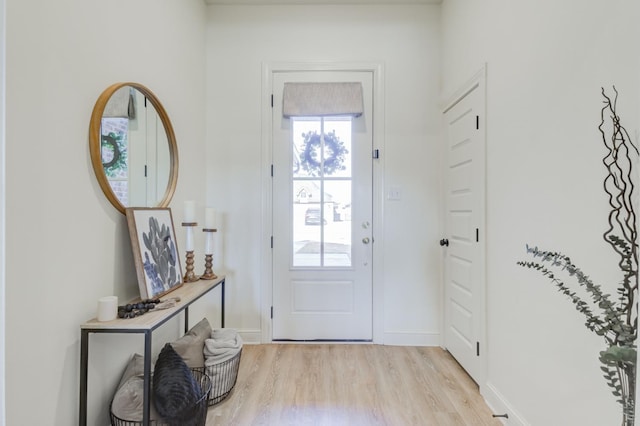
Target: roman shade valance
<point>121,104</point>
<point>322,99</point>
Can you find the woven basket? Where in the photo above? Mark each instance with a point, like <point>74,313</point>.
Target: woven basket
<point>201,406</point>
<point>223,378</point>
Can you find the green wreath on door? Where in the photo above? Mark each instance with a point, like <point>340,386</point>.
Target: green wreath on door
<point>114,154</point>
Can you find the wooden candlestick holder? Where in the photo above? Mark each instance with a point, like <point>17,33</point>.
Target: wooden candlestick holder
<point>189,275</point>
<point>208,257</point>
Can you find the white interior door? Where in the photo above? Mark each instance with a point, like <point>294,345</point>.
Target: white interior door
<point>149,155</point>
<point>322,218</point>
<point>463,243</point>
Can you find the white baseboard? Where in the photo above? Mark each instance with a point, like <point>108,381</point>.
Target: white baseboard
<point>254,336</point>
<point>401,338</point>
<point>250,336</point>
<point>499,405</point>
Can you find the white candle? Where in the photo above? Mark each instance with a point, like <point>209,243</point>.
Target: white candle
<point>107,308</point>
<point>189,238</point>
<point>189,211</point>
<point>208,243</point>
<point>210,218</point>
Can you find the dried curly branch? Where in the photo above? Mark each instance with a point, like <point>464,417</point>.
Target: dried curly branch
<point>616,320</point>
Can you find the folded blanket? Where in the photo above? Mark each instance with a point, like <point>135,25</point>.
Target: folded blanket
<point>223,345</point>
<point>224,334</point>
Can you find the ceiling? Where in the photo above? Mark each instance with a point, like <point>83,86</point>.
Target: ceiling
<point>320,2</point>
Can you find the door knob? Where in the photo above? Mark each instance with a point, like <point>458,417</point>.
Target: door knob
<point>365,240</point>
<point>444,242</point>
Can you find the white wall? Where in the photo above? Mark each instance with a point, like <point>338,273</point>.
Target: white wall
<point>66,246</point>
<point>546,62</point>
<point>406,39</point>
<point>2,211</point>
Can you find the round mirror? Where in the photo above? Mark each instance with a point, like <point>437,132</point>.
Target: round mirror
<point>133,148</point>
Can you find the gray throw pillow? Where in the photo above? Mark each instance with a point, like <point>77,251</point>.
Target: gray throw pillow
<point>191,346</point>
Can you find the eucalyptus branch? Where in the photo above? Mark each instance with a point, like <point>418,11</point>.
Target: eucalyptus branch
<point>602,327</point>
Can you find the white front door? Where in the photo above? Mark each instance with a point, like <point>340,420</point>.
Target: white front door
<point>463,243</point>
<point>322,218</point>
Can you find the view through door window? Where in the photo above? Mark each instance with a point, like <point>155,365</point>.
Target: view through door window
<point>321,196</point>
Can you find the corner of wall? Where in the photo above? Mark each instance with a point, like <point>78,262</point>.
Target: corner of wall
<point>500,405</point>
<point>251,336</point>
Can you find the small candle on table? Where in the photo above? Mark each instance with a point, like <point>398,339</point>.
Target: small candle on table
<point>107,308</point>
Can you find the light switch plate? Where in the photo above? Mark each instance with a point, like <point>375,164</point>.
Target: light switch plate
<point>394,193</point>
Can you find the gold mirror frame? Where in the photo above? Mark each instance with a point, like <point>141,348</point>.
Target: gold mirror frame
<point>95,144</point>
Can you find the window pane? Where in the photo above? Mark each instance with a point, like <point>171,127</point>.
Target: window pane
<point>338,231</point>
<point>115,155</point>
<point>120,189</point>
<point>337,147</point>
<point>114,147</point>
<point>306,147</point>
<point>307,223</point>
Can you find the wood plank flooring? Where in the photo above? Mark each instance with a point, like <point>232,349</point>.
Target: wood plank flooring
<point>332,384</point>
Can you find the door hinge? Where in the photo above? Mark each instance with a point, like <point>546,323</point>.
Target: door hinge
<point>376,153</point>
<point>145,101</point>
<point>477,347</point>
<point>477,122</point>
<point>145,170</point>
<point>272,170</point>
<point>272,312</point>
<point>272,241</point>
<point>477,235</point>
<point>272,101</point>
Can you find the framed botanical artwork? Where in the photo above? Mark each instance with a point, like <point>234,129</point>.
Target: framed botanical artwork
<point>153,240</point>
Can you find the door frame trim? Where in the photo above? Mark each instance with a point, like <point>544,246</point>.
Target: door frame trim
<point>266,225</point>
<point>3,192</point>
<point>477,82</point>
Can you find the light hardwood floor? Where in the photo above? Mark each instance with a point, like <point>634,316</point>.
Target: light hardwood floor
<point>331,384</point>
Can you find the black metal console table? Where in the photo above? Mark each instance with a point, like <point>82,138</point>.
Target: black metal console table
<point>145,324</point>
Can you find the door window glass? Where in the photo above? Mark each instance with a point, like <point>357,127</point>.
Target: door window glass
<point>115,161</point>
<point>321,197</point>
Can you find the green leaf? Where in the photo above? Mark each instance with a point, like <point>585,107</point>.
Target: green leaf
<point>615,354</point>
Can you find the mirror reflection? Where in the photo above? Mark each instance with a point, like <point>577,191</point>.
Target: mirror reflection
<point>133,147</point>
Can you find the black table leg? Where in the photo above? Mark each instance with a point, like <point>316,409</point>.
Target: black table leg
<point>222,304</point>
<point>146,408</point>
<point>84,360</point>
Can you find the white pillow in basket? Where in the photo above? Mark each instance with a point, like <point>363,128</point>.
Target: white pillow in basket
<point>128,401</point>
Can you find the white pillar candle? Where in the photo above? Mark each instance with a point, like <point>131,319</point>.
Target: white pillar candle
<point>208,243</point>
<point>107,308</point>
<point>210,218</point>
<point>189,238</point>
<point>189,211</point>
